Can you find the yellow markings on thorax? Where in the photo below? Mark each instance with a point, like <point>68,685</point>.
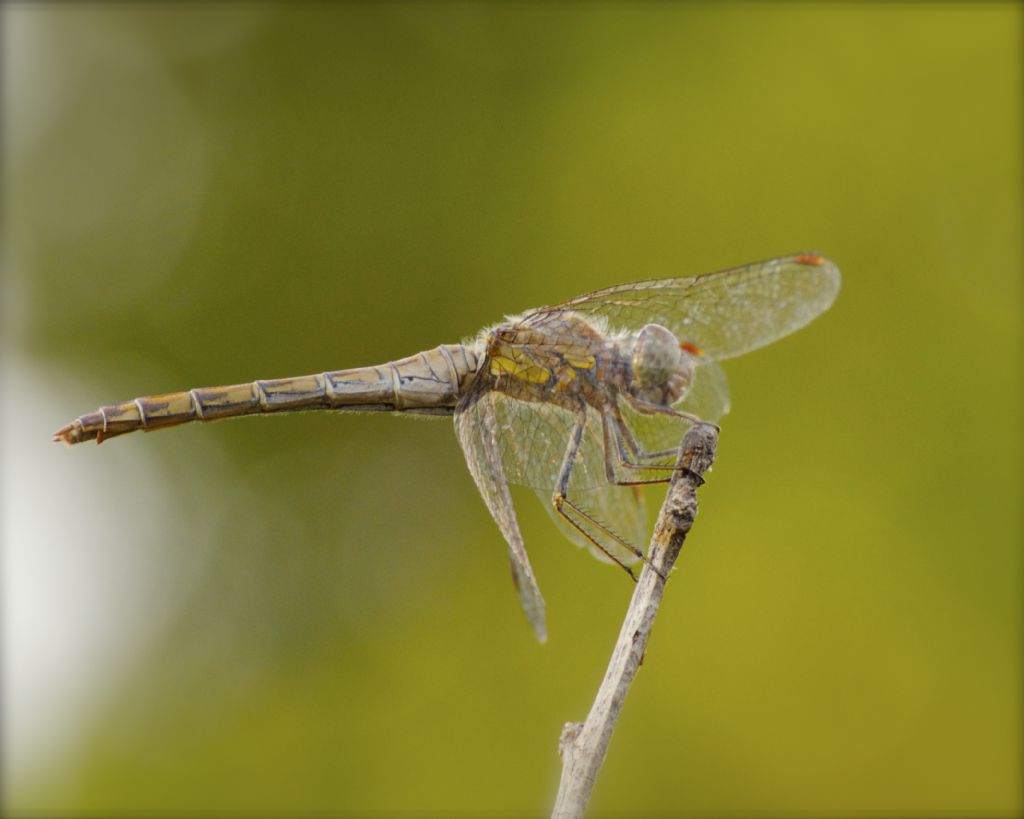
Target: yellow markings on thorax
<point>587,362</point>
<point>521,367</point>
<point>521,363</point>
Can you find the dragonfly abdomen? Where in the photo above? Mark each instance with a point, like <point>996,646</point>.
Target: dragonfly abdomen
<point>430,382</point>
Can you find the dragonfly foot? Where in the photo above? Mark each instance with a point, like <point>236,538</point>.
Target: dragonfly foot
<point>695,477</point>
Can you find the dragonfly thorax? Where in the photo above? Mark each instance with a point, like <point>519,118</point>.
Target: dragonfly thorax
<point>662,369</point>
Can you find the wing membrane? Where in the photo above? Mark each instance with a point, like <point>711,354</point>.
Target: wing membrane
<point>533,457</point>
<point>727,313</point>
<point>478,432</point>
<point>529,440</point>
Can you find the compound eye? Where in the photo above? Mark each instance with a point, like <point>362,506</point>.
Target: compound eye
<point>656,356</point>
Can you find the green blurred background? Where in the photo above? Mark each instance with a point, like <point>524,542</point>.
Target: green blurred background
<point>312,613</point>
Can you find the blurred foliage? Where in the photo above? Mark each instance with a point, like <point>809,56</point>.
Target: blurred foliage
<point>312,613</point>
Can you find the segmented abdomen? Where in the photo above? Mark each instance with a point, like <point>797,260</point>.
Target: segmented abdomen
<point>429,382</point>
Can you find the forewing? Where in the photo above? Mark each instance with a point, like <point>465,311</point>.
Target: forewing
<point>726,313</point>
<point>478,432</point>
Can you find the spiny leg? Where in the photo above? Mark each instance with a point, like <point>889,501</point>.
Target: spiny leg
<point>617,437</point>
<point>611,533</point>
<point>560,500</point>
<point>612,430</point>
<point>625,438</point>
<point>622,429</point>
<point>630,439</point>
<point>613,442</point>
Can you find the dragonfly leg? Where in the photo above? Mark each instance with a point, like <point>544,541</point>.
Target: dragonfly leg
<point>618,438</point>
<point>643,458</point>
<point>564,506</point>
<point>626,434</point>
<point>622,429</point>
<point>614,442</point>
<point>648,408</point>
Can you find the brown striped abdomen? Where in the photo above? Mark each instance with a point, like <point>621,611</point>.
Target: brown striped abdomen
<point>429,382</point>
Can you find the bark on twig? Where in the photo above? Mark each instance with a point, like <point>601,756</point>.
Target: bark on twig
<point>583,745</point>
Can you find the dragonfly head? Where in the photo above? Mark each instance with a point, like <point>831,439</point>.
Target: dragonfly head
<point>662,366</point>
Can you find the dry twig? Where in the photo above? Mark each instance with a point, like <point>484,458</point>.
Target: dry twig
<point>583,745</point>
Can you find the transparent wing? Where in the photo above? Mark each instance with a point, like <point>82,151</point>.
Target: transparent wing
<point>726,313</point>
<point>533,447</point>
<point>708,396</point>
<point>478,432</point>
<point>533,437</point>
<point>509,441</point>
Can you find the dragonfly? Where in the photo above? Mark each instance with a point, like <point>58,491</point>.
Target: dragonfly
<point>584,401</point>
